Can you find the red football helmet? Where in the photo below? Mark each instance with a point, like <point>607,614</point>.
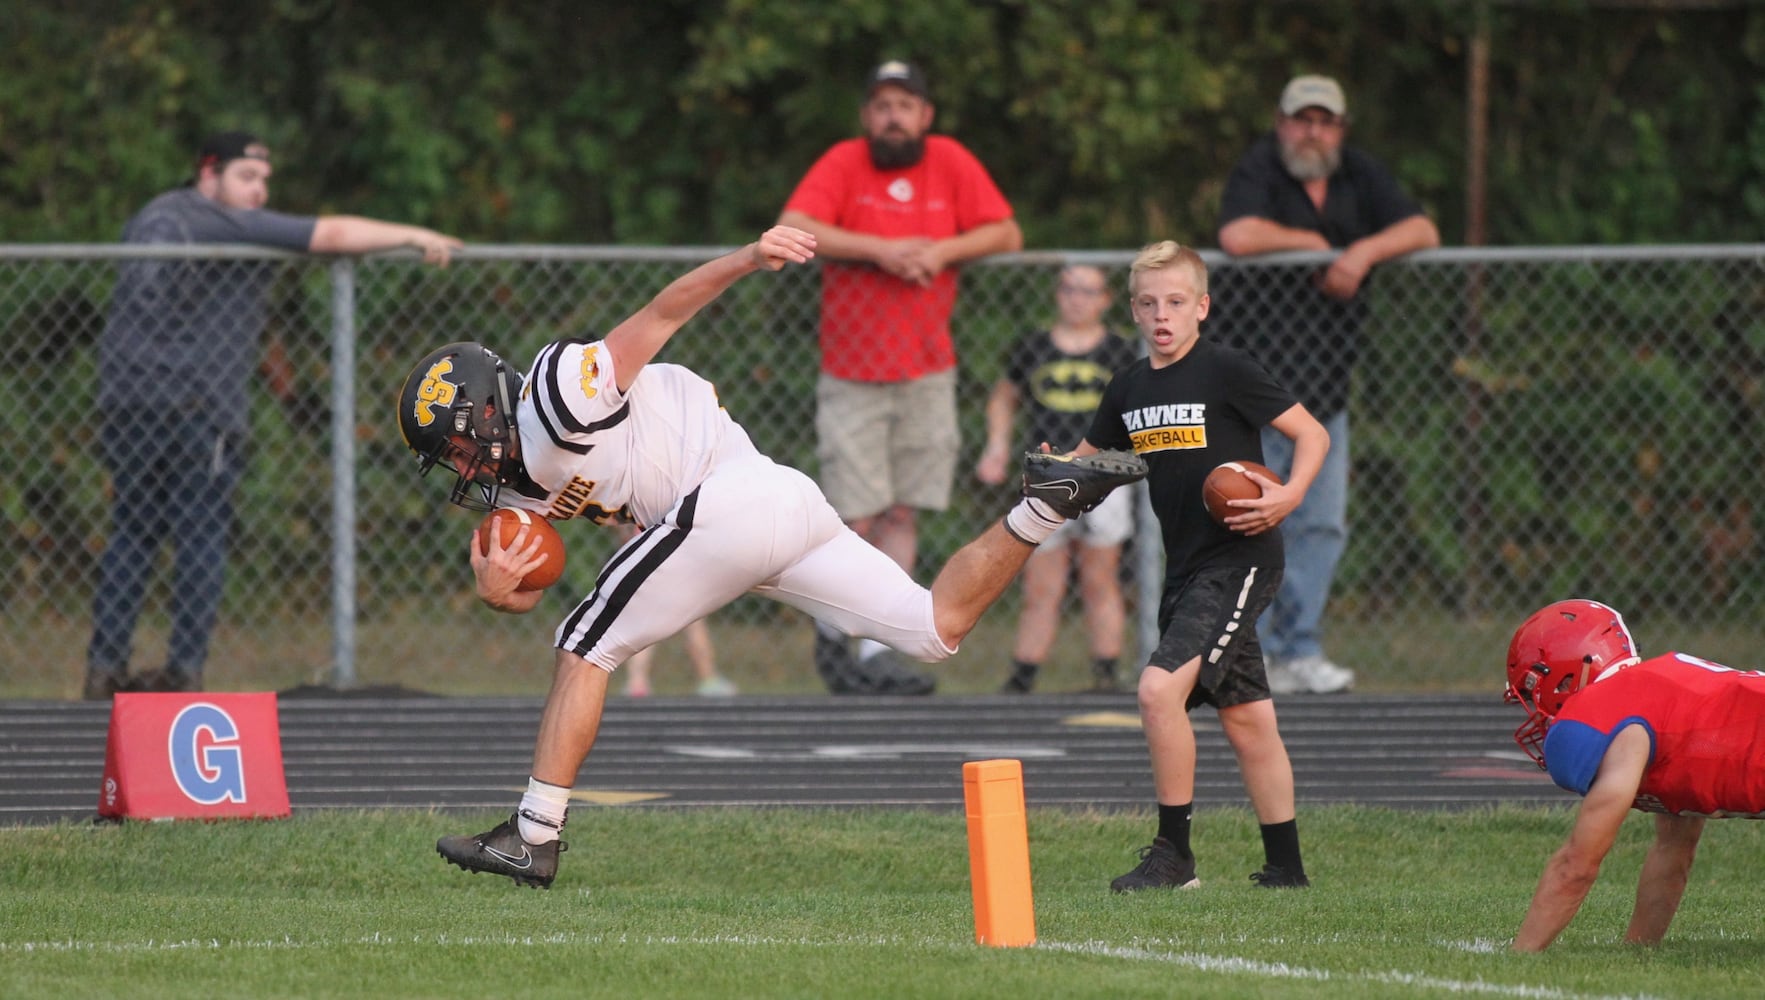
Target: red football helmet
<point>1555,652</point>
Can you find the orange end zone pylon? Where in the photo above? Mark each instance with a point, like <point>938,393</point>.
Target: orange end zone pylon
<point>999,853</point>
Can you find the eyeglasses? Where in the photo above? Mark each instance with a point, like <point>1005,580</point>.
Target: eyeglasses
<point>1066,289</point>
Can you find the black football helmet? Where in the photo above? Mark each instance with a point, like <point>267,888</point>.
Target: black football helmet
<point>457,408</point>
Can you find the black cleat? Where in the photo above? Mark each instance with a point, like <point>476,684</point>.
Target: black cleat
<point>1072,486</point>
<point>1160,868</point>
<point>502,852</point>
<point>1276,877</point>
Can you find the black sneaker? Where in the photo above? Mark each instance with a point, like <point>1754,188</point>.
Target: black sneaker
<point>1160,868</point>
<point>1021,681</point>
<point>163,680</point>
<point>502,852</point>
<point>1105,683</point>
<point>886,673</point>
<point>1072,486</point>
<point>1276,877</point>
<point>833,661</point>
<point>102,686</point>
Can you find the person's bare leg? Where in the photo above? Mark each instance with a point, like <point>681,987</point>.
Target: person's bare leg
<point>973,579</point>
<point>571,719</point>
<point>896,532</point>
<point>526,846</point>
<point>636,669</point>
<point>1170,739</point>
<point>700,650</point>
<point>1100,590</point>
<point>1262,759</point>
<point>1044,586</point>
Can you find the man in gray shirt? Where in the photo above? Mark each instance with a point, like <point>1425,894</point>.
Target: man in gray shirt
<point>177,352</point>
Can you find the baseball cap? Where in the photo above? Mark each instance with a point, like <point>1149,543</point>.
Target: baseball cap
<point>221,147</point>
<point>902,74</point>
<point>1313,92</point>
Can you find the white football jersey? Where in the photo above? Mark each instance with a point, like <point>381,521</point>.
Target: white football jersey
<point>595,452</point>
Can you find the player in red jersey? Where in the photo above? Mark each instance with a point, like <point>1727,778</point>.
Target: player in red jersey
<point>1674,735</point>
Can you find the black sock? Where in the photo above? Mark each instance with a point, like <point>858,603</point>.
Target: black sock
<point>1103,668</point>
<point>1023,676</point>
<point>1280,845</point>
<point>1173,825</point>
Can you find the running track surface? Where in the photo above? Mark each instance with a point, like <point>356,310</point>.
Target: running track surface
<point>1398,751</point>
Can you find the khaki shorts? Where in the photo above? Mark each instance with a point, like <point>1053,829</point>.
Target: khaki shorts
<point>883,444</point>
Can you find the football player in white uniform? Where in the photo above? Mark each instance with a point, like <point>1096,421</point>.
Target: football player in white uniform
<point>596,430</point>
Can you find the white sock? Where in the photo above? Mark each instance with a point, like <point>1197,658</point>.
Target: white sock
<point>546,804</point>
<point>1032,521</point>
<point>868,648</point>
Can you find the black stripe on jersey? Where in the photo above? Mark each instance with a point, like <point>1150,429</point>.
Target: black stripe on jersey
<point>611,602</point>
<point>559,420</point>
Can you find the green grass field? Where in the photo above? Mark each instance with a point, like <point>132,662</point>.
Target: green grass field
<point>869,903</point>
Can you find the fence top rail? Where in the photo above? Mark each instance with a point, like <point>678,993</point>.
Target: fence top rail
<point>542,252</point>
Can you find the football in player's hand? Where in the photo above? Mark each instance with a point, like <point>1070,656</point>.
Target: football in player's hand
<point>507,521</point>
<point>1228,482</point>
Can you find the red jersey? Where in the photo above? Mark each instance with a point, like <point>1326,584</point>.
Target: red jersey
<point>874,326</point>
<point>1706,723</point>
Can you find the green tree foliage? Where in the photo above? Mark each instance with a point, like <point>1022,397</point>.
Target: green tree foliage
<point>1107,122</point>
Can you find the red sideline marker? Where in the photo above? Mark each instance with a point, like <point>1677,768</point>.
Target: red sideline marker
<point>194,756</point>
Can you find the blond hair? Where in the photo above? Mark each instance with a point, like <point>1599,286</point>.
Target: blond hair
<point>1164,254</point>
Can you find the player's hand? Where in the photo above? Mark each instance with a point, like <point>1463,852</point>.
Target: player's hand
<point>500,571</point>
<point>783,245</point>
<point>1277,501</point>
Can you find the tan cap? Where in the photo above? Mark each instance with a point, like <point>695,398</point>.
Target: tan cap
<point>1313,92</point>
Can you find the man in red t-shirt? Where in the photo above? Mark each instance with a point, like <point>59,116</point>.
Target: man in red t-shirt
<point>1674,735</point>
<point>893,212</point>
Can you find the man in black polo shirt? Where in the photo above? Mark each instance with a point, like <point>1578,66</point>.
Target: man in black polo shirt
<point>1300,188</point>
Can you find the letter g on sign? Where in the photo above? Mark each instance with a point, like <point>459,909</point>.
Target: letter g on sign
<point>203,747</point>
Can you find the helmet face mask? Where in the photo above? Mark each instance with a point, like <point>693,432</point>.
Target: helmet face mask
<point>1557,651</point>
<point>457,409</point>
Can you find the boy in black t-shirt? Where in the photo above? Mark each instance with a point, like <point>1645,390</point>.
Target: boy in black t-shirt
<point>1185,408</point>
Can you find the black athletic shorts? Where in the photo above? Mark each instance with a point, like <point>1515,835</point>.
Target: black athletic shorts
<point>1212,614</point>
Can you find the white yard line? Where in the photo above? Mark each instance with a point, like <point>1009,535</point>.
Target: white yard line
<point>1222,964</point>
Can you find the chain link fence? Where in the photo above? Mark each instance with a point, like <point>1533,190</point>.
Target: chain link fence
<point>1528,424</point>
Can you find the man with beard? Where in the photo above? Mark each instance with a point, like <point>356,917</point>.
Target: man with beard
<point>1300,188</point>
<point>894,212</point>
<point>174,369</point>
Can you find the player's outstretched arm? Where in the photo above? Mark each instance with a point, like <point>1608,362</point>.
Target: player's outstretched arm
<point>1571,871</point>
<point>635,341</point>
<point>1664,874</point>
